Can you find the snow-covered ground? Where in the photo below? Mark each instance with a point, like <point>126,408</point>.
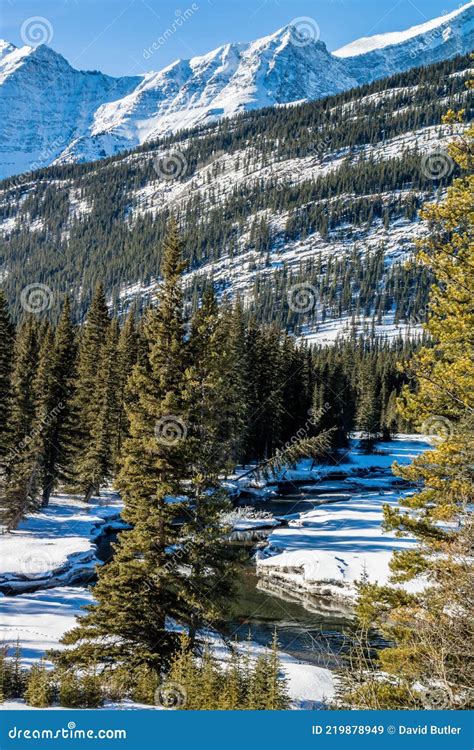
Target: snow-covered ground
<point>37,622</point>
<point>61,538</point>
<point>324,552</point>
<point>57,544</point>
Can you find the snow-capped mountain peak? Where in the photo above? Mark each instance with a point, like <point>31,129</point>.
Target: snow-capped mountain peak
<point>52,113</point>
<point>379,41</point>
<point>5,48</point>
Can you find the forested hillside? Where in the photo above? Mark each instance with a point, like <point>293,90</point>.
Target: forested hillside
<point>323,194</point>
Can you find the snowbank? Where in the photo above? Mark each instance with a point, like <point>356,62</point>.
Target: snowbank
<point>325,551</point>
<point>56,545</point>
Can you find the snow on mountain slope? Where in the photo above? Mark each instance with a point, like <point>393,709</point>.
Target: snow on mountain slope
<point>228,80</point>
<point>384,54</point>
<point>52,113</point>
<point>45,103</point>
<point>379,41</point>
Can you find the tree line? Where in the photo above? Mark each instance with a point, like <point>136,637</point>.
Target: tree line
<point>65,391</point>
<point>95,222</point>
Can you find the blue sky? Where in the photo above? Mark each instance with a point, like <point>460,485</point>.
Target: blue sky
<point>112,35</point>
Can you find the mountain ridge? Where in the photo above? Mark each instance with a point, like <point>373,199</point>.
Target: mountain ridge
<point>92,115</point>
<point>324,193</point>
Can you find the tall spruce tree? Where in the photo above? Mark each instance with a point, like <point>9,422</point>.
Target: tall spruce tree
<point>127,355</point>
<point>139,589</point>
<point>20,482</point>
<point>430,664</point>
<point>89,376</point>
<point>96,464</point>
<point>54,392</point>
<point>210,442</point>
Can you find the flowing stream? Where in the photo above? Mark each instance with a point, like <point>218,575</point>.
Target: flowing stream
<point>317,635</point>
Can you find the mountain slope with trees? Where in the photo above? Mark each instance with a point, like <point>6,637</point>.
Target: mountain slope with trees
<point>324,193</point>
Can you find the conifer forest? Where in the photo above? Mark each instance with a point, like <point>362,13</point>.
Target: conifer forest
<point>237,382</point>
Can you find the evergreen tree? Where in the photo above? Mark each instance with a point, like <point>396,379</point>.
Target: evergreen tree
<point>139,589</point>
<point>277,685</point>
<point>39,688</point>
<point>53,392</point>
<point>209,442</point>
<point>368,409</point>
<point>96,463</point>
<point>20,482</point>
<point>430,664</point>
<point>91,689</point>
<point>127,355</point>
<point>86,403</point>
<point>70,694</point>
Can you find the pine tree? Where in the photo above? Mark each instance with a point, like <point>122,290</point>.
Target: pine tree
<point>17,673</point>
<point>234,368</point>
<point>210,682</point>
<point>277,688</point>
<point>20,482</point>
<point>70,693</point>
<point>53,387</point>
<point>86,402</point>
<point>145,684</point>
<point>39,688</point>
<point>139,589</point>
<point>96,463</point>
<point>185,677</point>
<point>257,694</point>
<point>127,355</point>
<point>57,405</point>
<point>2,675</point>
<point>91,689</point>
<point>232,697</point>
<point>430,664</point>
<point>209,442</point>
<point>368,408</point>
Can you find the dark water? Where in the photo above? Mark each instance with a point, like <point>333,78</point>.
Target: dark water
<point>320,636</point>
<point>104,545</point>
<point>316,638</point>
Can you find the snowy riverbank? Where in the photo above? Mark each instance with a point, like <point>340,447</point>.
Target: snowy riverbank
<point>56,546</point>
<point>323,552</point>
<point>317,554</point>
